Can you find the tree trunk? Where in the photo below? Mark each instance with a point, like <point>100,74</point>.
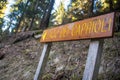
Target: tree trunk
<point>111,5</point>
<point>31,23</point>
<point>90,12</point>
<point>34,11</point>
<point>22,16</point>
<point>46,16</point>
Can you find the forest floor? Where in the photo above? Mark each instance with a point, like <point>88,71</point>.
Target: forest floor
<point>66,60</point>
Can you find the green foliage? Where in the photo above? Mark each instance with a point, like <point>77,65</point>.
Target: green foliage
<point>28,14</point>
<point>102,6</point>
<point>59,14</point>
<point>77,9</point>
<point>81,9</point>
<point>47,76</point>
<point>0,34</point>
<point>3,4</point>
<point>75,77</point>
<point>116,4</point>
<point>24,14</point>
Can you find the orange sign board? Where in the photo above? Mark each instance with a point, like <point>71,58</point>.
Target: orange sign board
<point>96,27</point>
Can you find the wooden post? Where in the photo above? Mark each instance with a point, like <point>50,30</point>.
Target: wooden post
<point>43,61</point>
<point>93,60</point>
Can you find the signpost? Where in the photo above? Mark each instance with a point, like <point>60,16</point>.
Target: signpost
<point>97,27</point>
<point>93,28</point>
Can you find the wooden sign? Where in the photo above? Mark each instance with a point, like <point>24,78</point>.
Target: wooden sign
<point>96,27</point>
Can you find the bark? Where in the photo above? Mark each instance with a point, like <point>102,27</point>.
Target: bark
<point>18,26</point>
<point>18,37</point>
<point>90,13</point>
<point>25,35</point>
<point>31,24</point>
<point>22,36</point>
<point>111,5</point>
<point>46,17</point>
<point>24,28</point>
<point>35,8</point>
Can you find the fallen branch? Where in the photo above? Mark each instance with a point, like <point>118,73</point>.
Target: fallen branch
<point>22,36</point>
<point>38,36</point>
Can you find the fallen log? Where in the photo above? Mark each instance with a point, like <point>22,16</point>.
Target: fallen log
<point>22,36</point>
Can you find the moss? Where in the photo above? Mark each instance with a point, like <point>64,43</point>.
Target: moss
<point>117,34</point>
<point>100,77</point>
<point>75,77</point>
<point>47,76</point>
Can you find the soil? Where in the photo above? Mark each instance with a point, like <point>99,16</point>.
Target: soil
<point>18,61</point>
